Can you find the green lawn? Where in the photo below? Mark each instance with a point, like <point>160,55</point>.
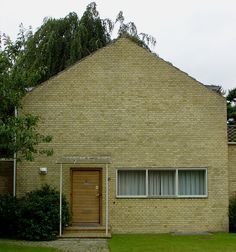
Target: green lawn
<point>219,242</point>
<point>9,246</point>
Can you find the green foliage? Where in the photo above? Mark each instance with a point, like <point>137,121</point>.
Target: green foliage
<point>231,95</point>
<point>231,107</point>
<point>11,83</point>
<point>232,214</point>
<point>20,134</point>
<point>34,216</point>
<point>129,30</point>
<point>8,216</point>
<point>58,43</point>
<point>17,134</point>
<point>39,214</point>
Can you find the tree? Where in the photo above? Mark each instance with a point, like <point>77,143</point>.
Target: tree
<point>231,107</point>
<point>58,43</point>
<point>16,133</point>
<point>129,30</point>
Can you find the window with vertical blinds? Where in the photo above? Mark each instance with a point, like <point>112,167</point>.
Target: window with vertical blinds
<point>132,183</point>
<point>162,183</point>
<point>192,182</point>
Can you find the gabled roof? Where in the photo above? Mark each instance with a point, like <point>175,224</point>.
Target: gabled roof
<point>212,88</point>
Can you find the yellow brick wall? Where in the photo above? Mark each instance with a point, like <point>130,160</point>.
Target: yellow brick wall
<point>131,105</point>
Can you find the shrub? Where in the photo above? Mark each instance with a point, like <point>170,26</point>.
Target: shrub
<point>39,214</point>
<point>8,216</point>
<point>34,216</point>
<point>232,214</point>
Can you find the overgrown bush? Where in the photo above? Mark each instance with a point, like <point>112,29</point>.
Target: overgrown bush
<point>232,214</point>
<point>34,216</point>
<point>8,216</point>
<point>39,214</point>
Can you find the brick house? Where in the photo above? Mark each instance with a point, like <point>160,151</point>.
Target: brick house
<point>141,147</point>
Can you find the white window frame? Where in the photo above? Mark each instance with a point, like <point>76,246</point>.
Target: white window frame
<point>176,183</point>
<point>130,196</point>
<point>206,183</point>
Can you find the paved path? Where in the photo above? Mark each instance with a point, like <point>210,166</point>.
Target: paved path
<point>72,245</point>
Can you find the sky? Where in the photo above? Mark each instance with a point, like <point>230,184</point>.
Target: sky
<point>197,36</point>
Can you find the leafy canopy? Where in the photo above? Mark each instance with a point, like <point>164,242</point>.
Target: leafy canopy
<point>58,43</point>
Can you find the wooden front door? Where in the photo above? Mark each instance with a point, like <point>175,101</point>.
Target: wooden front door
<point>86,196</point>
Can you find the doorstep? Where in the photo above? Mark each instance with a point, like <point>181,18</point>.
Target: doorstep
<point>85,232</point>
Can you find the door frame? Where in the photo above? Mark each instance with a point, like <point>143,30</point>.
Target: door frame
<point>72,169</point>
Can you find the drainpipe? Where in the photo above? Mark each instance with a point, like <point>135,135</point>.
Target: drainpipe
<point>14,162</point>
<point>60,204</point>
<point>107,203</point>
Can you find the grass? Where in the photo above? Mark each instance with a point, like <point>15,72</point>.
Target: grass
<point>10,246</point>
<point>219,242</point>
